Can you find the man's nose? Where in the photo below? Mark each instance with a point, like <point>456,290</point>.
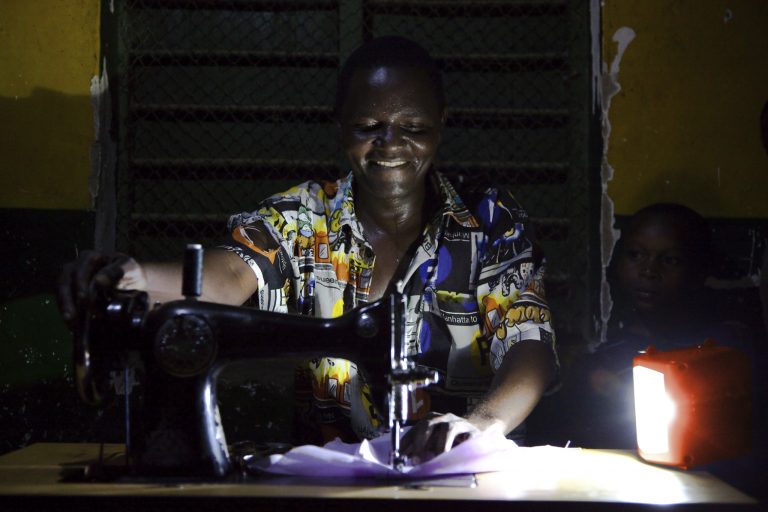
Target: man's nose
<point>388,135</point>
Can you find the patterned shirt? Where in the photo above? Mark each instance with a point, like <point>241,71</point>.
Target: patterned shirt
<point>474,285</point>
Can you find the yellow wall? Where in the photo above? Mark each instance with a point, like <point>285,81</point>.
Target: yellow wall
<point>49,50</point>
<point>685,125</point>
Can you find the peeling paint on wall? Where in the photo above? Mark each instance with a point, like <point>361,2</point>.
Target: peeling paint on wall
<point>609,86</point>
<point>101,182</point>
<point>99,88</point>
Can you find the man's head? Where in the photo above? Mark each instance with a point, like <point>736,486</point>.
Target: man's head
<point>390,113</point>
<point>389,52</point>
<point>663,258</point>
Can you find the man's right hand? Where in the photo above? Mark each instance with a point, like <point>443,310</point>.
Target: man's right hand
<point>94,273</point>
<point>227,279</point>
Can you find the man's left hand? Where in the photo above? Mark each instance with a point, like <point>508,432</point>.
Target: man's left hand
<point>436,434</point>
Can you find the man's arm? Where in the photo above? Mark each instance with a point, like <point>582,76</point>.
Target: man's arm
<point>227,279</point>
<point>527,370</point>
<point>525,373</point>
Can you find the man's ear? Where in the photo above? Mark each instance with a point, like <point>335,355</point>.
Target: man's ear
<point>443,117</point>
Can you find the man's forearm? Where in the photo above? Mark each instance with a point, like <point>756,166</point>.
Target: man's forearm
<point>526,372</point>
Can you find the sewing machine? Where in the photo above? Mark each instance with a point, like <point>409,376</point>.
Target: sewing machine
<point>173,426</point>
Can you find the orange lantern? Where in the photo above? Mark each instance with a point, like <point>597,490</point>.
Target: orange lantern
<point>693,405</point>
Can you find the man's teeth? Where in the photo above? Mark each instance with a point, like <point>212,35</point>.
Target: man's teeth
<point>395,163</point>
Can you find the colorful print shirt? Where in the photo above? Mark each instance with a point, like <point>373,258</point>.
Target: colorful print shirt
<point>474,285</point>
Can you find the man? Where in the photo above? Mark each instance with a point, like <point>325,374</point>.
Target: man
<point>476,308</point>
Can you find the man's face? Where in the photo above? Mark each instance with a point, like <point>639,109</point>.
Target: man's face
<point>656,271</point>
<point>390,125</point>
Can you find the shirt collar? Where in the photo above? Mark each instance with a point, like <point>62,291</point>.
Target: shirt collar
<point>452,205</point>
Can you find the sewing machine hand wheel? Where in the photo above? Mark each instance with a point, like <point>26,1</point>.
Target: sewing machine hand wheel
<point>114,315</point>
<point>127,309</point>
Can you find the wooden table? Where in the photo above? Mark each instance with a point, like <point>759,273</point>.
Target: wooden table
<point>546,478</point>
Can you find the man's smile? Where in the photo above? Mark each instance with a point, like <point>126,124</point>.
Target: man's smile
<point>388,163</point>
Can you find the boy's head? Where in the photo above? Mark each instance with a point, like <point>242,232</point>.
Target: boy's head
<point>662,259</point>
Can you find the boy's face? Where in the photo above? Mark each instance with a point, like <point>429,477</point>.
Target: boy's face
<point>656,270</point>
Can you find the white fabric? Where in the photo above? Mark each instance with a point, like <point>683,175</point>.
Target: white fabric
<point>486,452</point>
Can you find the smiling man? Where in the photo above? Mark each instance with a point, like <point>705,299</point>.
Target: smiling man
<point>472,275</point>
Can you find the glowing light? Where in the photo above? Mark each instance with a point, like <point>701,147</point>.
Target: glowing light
<point>693,405</point>
<point>654,410</point>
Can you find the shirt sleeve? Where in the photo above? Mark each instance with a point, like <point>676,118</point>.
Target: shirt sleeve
<point>511,279</point>
<point>272,267</point>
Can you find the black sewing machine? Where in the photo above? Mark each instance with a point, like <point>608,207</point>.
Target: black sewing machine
<point>174,427</point>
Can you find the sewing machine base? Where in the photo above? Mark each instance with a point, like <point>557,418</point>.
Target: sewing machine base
<point>115,470</point>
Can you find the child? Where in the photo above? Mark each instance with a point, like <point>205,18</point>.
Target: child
<point>657,280</point>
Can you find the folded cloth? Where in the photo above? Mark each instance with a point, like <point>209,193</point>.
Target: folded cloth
<point>488,451</point>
